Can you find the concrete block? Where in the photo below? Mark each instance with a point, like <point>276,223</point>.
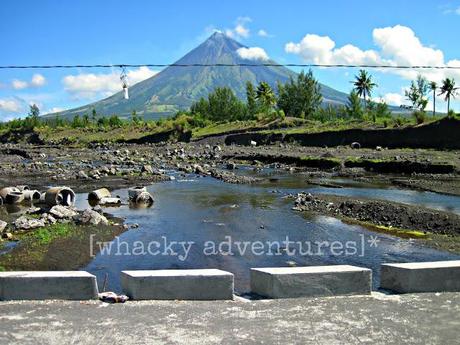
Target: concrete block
<point>40,285</point>
<point>434,276</point>
<point>196,284</point>
<point>291,282</point>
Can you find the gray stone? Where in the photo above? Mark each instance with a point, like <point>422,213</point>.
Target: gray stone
<point>62,212</point>
<point>38,285</point>
<point>197,284</point>
<point>147,169</point>
<point>24,223</point>
<point>437,276</point>
<point>292,282</point>
<point>90,216</point>
<point>82,175</point>
<point>3,225</point>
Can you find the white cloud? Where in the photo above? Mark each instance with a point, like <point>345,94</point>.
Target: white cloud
<point>91,85</point>
<point>36,81</point>
<point>264,33</point>
<point>253,53</point>
<point>10,106</point>
<point>19,84</point>
<point>240,30</point>
<point>457,11</point>
<point>53,110</point>
<point>397,45</point>
<point>321,50</point>
<point>393,99</point>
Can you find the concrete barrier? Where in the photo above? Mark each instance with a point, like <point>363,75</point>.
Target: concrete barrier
<point>40,285</point>
<point>434,276</point>
<point>197,284</point>
<point>292,282</point>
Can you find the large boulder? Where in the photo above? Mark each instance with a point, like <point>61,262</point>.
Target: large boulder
<point>62,212</point>
<point>92,217</point>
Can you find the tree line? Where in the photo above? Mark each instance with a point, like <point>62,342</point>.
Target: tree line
<point>299,98</point>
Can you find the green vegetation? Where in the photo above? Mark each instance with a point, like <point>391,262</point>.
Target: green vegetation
<point>48,234</point>
<point>448,90</point>
<point>363,85</point>
<point>300,98</point>
<point>294,108</point>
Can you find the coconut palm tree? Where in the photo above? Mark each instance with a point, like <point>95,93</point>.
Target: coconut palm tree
<point>265,95</point>
<point>364,85</point>
<point>448,90</point>
<point>433,87</point>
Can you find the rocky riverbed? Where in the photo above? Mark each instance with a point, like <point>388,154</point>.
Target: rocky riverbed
<point>117,166</point>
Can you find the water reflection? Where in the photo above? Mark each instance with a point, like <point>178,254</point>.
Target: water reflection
<point>204,210</point>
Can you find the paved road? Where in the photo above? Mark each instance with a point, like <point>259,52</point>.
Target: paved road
<point>376,319</point>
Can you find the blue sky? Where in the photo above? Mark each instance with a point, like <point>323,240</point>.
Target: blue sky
<point>91,32</point>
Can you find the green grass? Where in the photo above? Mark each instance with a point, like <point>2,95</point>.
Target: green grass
<point>47,234</point>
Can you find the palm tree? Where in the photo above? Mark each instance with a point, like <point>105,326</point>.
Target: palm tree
<point>363,84</point>
<point>265,95</point>
<point>449,90</point>
<point>433,87</point>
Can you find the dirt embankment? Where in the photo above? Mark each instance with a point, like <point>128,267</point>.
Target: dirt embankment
<point>442,134</point>
<point>381,213</point>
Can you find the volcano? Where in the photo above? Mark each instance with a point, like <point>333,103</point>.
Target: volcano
<point>177,87</point>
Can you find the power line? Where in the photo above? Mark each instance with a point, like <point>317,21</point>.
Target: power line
<point>226,65</point>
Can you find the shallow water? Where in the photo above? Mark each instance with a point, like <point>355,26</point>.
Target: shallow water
<point>197,210</point>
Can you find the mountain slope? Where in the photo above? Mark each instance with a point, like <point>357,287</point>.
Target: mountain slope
<point>177,88</point>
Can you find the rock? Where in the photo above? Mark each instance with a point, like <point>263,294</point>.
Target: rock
<point>62,212</point>
<point>147,169</point>
<point>82,175</point>
<point>217,148</point>
<point>48,218</point>
<point>379,148</point>
<point>231,166</point>
<point>355,145</point>
<point>3,225</point>
<point>24,223</point>
<point>7,236</point>
<point>253,143</point>
<point>199,169</point>
<point>90,216</point>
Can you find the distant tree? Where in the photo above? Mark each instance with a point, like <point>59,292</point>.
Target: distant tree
<point>381,110</point>
<point>448,90</point>
<point>265,96</point>
<point>251,100</point>
<point>94,115</point>
<point>115,121</point>
<point>354,106</point>
<point>300,98</point>
<point>363,85</point>
<point>418,93</point>
<point>34,111</point>
<point>134,117</point>
<point>76,122</point>
<point>85,120</point>
<point>33,117</point>
<point>433,87</point>
<point>200,108</point>
<point>221,105</point>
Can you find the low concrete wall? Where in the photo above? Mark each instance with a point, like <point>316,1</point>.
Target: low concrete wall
<point>435,276</point>
<point>41,285</point>
<point>291,282</point>
<point>197,284</point>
